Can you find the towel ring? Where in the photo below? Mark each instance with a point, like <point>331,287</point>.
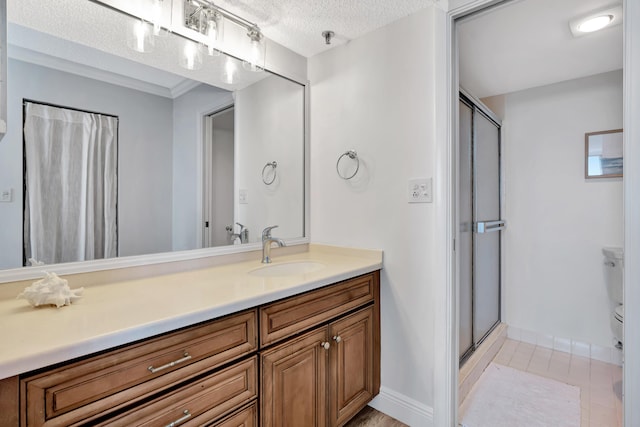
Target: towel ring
<point>273,165</point>
<point>352,154</point>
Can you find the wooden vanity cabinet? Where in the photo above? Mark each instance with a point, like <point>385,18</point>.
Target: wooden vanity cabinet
<point>309,360</point>
<point>92,388</point>
<point>327,375</point>
<point>197,403</point>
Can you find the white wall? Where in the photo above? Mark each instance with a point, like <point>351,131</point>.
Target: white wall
<point>270,127</point>
<point>144,169</point>
<point>188,112</point>
<point>376,95</point>
<point>558,221</point>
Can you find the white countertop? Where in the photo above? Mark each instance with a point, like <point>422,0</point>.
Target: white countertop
<point>122,312</point>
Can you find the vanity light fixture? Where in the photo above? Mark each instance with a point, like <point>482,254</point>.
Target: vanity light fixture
<point>208,19</point>
<point>156,18</point>
<point>257,50</point>
<point>214,28</point>
<point>596,21</point>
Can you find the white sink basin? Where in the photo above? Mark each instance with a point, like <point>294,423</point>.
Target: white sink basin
<point>292,268</point>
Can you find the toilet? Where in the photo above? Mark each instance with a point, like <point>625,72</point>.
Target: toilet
<point>613,265</point>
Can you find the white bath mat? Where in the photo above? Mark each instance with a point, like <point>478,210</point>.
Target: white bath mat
<point>508,397</point>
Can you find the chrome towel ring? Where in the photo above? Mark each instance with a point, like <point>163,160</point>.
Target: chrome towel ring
<point>265,172</point>
<point>353,155</point>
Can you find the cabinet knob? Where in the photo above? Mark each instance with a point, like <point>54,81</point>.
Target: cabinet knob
<point>337,338</point>
<point>325,345</point>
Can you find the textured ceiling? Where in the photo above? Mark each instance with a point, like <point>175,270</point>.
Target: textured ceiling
<point>528,43</point>
<point>525,43</point>
<point>298,24</point>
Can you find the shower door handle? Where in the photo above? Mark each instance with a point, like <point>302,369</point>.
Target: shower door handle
<point>490,226</point>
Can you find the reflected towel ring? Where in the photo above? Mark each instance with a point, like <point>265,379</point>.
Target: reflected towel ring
<point>273,165</point>
<point>352,154</point>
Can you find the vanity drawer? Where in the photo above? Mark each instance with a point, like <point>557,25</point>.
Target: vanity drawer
<point>246,417</point>
<point>98,385</point>
<point>293,315</point>
<point>199,402</point>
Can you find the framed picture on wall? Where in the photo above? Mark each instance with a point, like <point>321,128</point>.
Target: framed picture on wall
<point>603,155</point>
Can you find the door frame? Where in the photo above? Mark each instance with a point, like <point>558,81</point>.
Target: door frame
<point>445,372</point>
<point>207,170</point>
<point>201,117</point>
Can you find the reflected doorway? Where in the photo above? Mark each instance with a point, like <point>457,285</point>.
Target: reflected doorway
<point>219,228</point>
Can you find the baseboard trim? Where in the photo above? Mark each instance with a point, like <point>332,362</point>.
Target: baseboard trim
<point>567,345</point>
<point>403,408</point>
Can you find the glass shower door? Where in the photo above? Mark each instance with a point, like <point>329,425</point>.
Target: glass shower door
<point>488,223</point>
<point>465,227</point>
<point>479,225</point>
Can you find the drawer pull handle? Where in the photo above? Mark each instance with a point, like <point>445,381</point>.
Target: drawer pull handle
<point>337,338</point>
<point>185,417</point>
<point>325,345</point>
<point>186,356</point>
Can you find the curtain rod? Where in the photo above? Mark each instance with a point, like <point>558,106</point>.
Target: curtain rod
<point>25,101</point>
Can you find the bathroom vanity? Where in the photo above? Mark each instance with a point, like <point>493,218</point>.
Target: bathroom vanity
<point>236,344</point>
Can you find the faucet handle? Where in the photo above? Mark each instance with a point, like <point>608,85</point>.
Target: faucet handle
<point>242,227</point>
<point>266,233</point>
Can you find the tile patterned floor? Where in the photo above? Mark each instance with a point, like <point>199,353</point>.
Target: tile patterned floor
<point>600,383</point>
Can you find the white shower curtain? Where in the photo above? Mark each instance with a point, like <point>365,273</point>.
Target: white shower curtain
<point>70,184</point>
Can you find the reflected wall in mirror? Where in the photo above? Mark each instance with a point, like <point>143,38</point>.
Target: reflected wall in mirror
<point>603,154</point>
<point>183,175</point>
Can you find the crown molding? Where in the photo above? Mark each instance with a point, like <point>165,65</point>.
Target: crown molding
<point>44,60</point>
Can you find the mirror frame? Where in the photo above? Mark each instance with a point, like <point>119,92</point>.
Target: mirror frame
<point>36,272</point>
<point>587,141</point>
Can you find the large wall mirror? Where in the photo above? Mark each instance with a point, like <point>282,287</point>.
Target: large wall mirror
<point>201,161</point>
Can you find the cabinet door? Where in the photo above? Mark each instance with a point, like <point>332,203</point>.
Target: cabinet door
<point>353,379</point>
<point>294,382</point>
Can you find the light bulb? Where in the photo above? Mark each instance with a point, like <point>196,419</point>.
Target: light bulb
<point>255,56</point>
<point>214,34</point>
<point>156,17</point>
<point>595,24</point>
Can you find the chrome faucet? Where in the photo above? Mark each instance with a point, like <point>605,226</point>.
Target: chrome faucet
<point>243,235</point>
<point>267,240</point>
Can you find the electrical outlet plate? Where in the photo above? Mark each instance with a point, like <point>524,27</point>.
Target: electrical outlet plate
<point>420,191</point>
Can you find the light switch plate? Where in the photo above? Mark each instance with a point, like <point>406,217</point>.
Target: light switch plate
<point>6,196</point>
<point>420,191</point>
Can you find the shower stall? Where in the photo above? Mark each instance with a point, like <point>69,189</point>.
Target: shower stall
<point>480,223</point>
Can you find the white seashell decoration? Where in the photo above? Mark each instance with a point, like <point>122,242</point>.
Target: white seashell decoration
<point>50,290</point>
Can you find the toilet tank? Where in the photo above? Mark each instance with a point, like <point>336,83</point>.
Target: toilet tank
<point>613,268</point>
